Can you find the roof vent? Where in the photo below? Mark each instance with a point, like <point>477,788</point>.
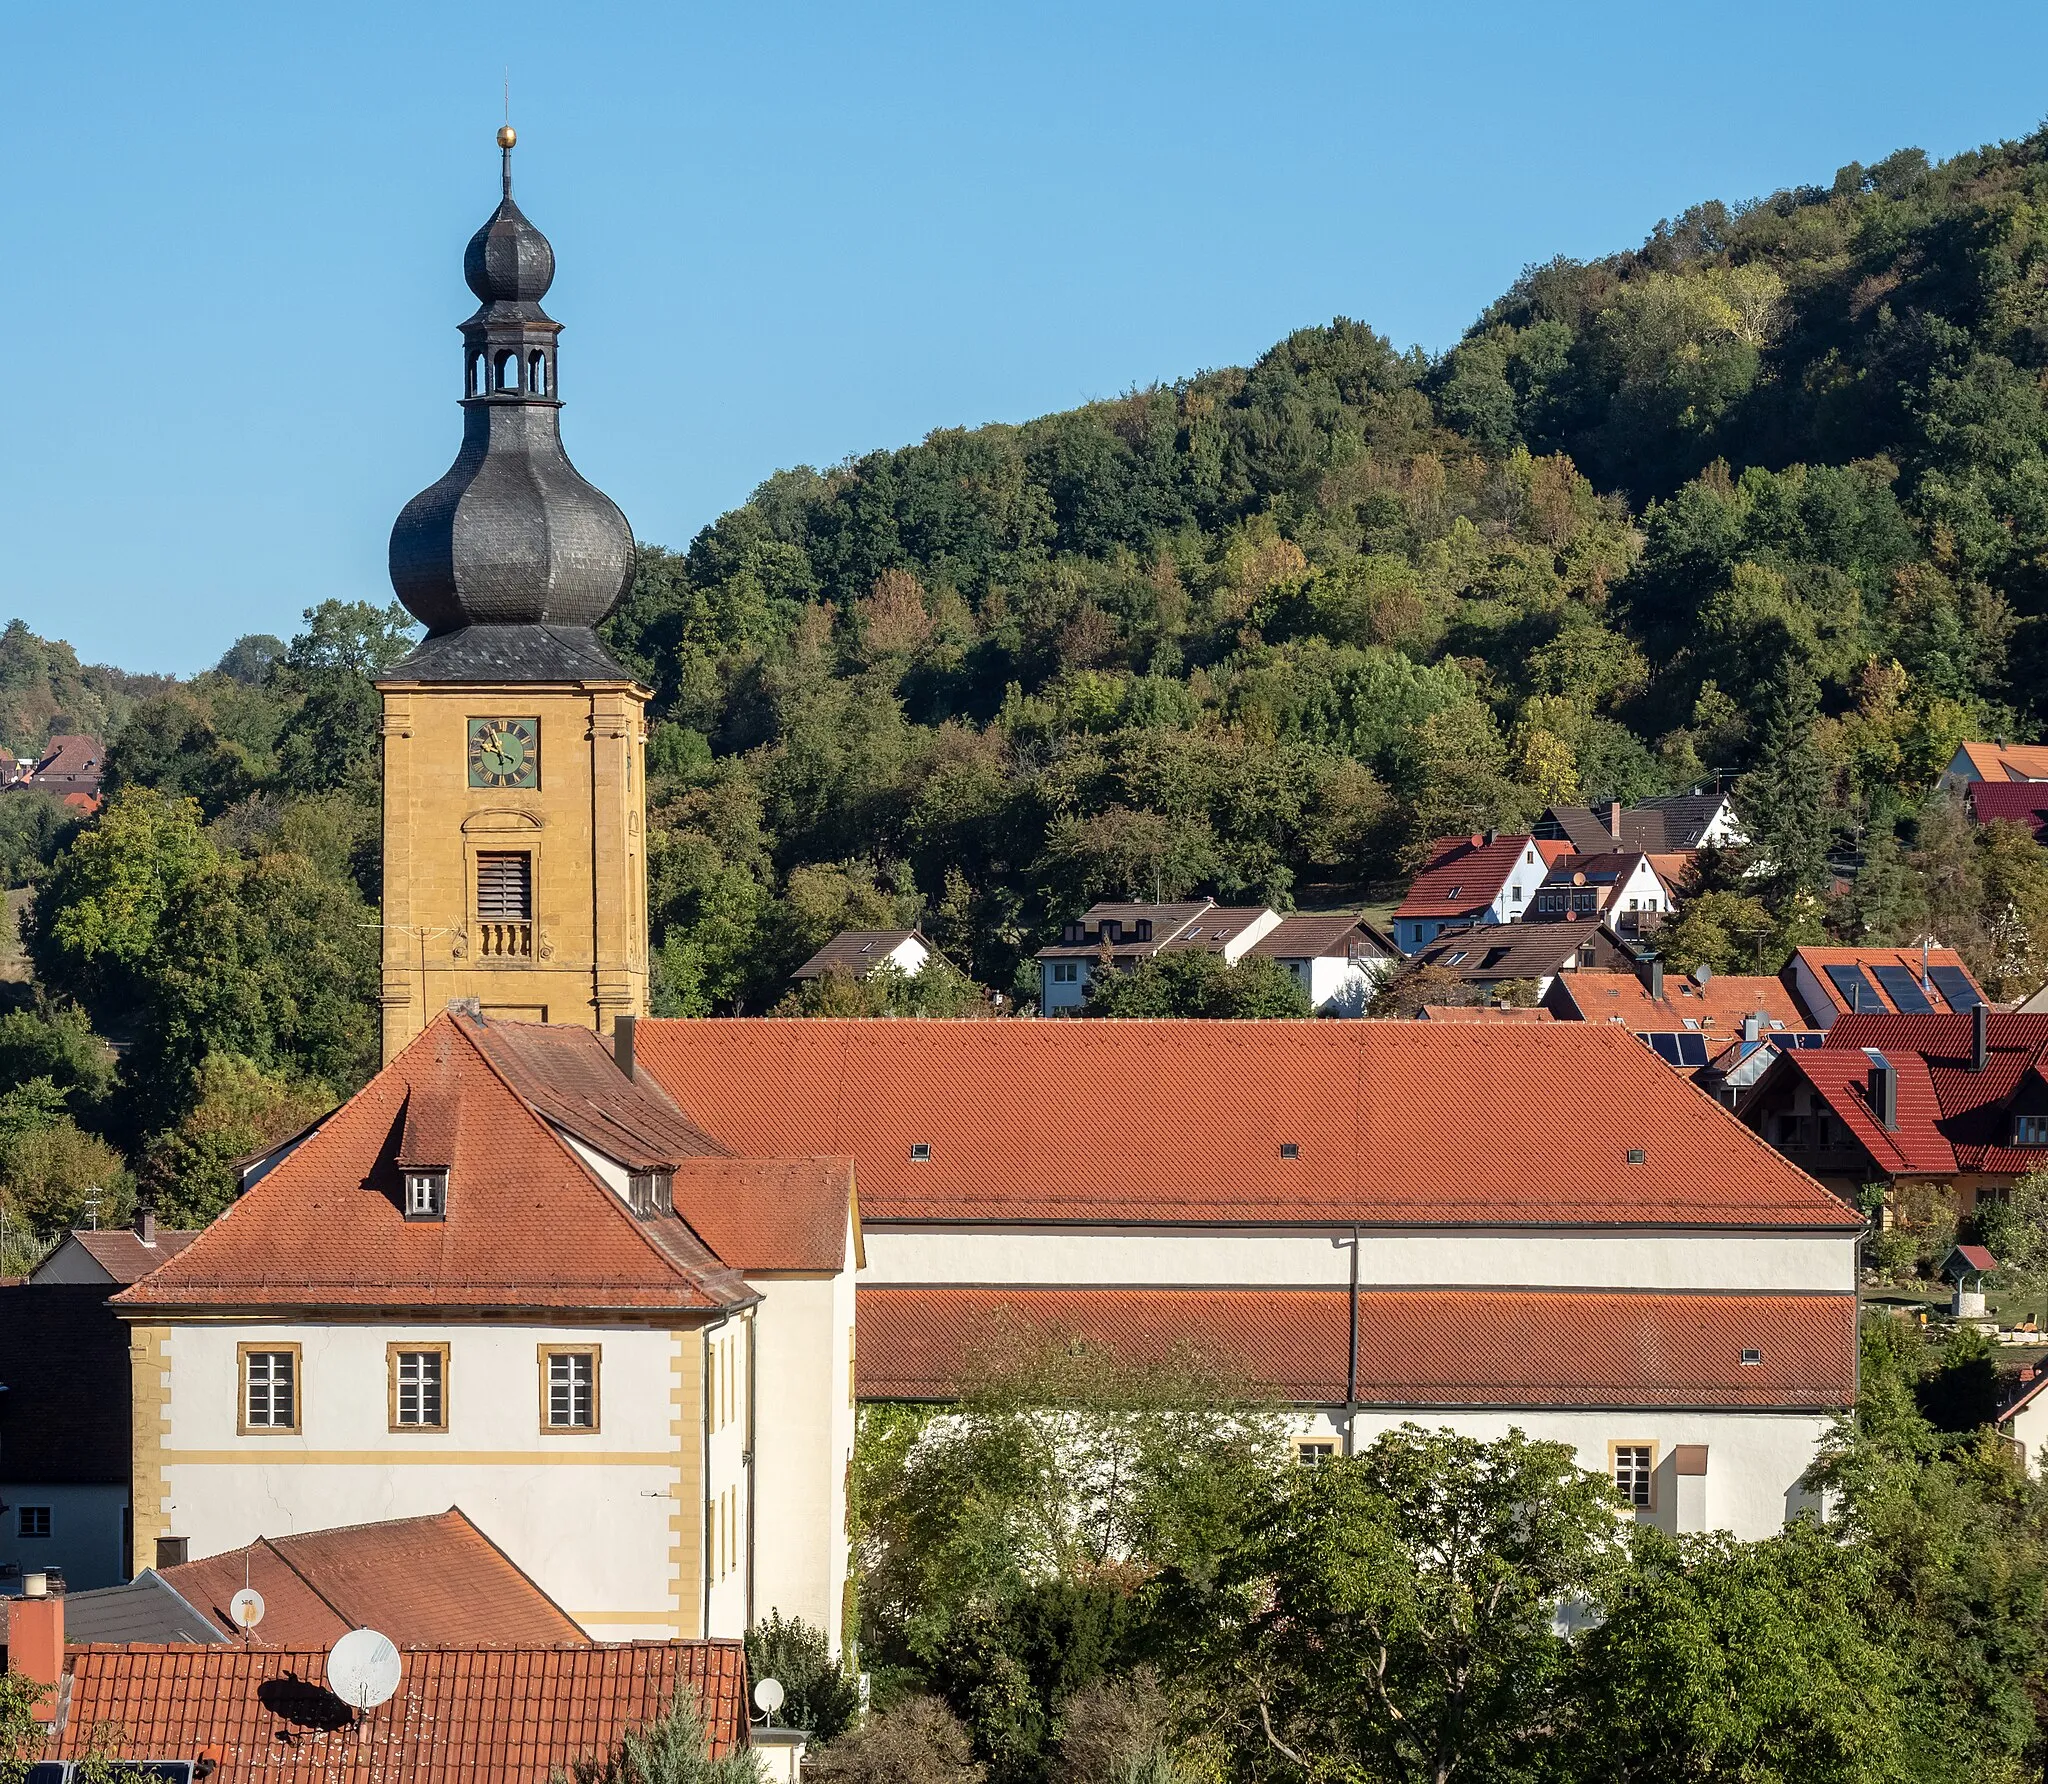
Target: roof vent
<point>920,1152</point>
<point>1637,1156</point>
<point>1289,1149</point>
<point>1752,1358</point>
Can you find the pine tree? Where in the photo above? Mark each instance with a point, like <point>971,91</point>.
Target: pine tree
<point>1784,800</point>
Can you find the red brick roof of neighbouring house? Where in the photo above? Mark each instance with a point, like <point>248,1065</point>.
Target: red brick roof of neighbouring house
<point>1480,1013</point>
<point>1950,1117</point>
<point>121,1253</point>
<point>528,1224</point>
<point>1876,964</point>
<point>512,1715</point>
<point>1464,874</point>
<point>1425,1348</point>
<point>2006,761</point>
<point>2012,802</point>
<point>1718,1007</point>
<point>1402,1123</point>
<point>72,761</point>
<point>434,1581</point>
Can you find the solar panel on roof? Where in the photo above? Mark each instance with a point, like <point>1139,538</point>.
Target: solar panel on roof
<point>1692,1049</point>
<point>1903,988</point>
<point>1856,990</point>
<point>1665,1046</point>
<point>1954,984</point>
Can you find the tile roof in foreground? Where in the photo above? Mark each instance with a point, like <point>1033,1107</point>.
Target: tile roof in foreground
<point>1421,1348</point>
<point>432,1581</point>
<point>510,1715</point>
<point>770,1213</point>
<point>528,1223</point>
<point>1396,1123</point>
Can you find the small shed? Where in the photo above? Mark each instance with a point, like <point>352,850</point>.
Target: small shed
<point>1965,1268</point>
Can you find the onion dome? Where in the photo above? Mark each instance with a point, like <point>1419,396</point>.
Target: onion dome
<point>512,535</point>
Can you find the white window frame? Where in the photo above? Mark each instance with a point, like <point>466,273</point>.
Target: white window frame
<point>1641,1476</point>
<point>568,1356</point>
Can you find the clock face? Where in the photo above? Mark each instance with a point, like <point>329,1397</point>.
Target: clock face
<point>504,752</point>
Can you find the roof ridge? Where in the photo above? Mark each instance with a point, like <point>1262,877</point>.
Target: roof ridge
<point>301,1573</point>
<point>615,1207</point>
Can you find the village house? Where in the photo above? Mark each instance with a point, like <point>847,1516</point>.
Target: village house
<point>1680,825</point>
<point>509,1275</point>
<point>858,952</point>
<point>1620,888</point>
<point>1116,937</point>
<point>1940,1098</point>
<point>1834,982</point>
<point>1473,880</point>
<point>1484,1227</point>
<point>1486,957</point>
<point>1338,959</point>
<point>1994,762</point>
<point>1686,1019</point>
<point>112,1254</point>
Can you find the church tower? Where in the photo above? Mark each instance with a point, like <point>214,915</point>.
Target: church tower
<point>514,780</point>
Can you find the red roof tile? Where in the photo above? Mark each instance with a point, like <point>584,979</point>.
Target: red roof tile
<point>425,1582</point>
<point>528,1224</point>
<point>1396,1122</point>
<point>462,1715</point>
<point>2012,802</point>
<point>1416,1348</point>
<point>1717,1007</point>
<point>1481,1013</point>
<point>2007,761</point>
<point>121,1253</point>
<point>1464,874</point>
<point>769,1213</point>
<point>1820,959</point>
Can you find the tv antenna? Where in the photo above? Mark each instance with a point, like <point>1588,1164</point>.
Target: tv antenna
<point>768,1698</point>
<point>363,1669</point>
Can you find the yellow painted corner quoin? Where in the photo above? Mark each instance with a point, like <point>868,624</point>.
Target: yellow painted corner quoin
<point>579,951</point>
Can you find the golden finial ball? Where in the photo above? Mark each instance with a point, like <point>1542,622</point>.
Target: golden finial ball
<point>507,136</point>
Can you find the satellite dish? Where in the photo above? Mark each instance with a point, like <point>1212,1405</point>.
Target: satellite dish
<point>246,1608</point>
<point>362,1669</point>
<point>768,1695</point>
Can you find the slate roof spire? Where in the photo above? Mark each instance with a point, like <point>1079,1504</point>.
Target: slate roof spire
<point>512,536</point>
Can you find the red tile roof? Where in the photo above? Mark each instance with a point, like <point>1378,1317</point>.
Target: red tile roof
<point>1820,959</point>
<point>462,1715</point>
<point>769,1213</point>
<point>1481,1013</point>
<point>1396,1122</point>
<point>1464,874</point>
<point>1717,1007</point>
<point>2012,802</point>
<point>1416,1348</point>
<point>528,1224</point>
<point>2007,761</point>
<point>1950,1117</point>
<point>75,760</point>
<point>425,1582</point>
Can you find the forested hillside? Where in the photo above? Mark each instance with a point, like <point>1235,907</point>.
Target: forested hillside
<point>1766,497</point>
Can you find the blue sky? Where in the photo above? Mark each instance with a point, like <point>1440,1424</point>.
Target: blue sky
<point>791,233</point>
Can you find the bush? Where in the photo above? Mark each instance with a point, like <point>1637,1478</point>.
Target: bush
<point>919,1741</point>
<point>817,1694</point>
<point>670,1751</point>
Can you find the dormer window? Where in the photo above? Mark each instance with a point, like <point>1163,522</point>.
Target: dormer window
<point>426,1195</point>
<point>653,1192</point>
<point>2030,1130</point>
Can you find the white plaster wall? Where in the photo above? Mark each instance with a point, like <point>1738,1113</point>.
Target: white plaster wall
<point>727,1452</point>
<point>586,1514</point>
<point>1137,1256</point>
<point>87,1529</point>
<point>2029,1429</point>
<point>1256,930</point>
<point>1754,1460</point>
<point>909,955</point>
<point>70,1262</point>
<point>1528,873</point>
<point>1053,997</point>
<point>803,1444</point>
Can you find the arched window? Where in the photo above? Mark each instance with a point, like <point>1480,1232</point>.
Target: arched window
<point>507,371</point>
<point>537,372</point>
<point>472,373</point>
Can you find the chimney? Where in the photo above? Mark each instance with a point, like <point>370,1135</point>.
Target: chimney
<point>35,1639</point>
<point>145,1224</point>
<point>1883,1091</point>
<point>622,1043</point>
<point>1491,836</point>
<point>1656,966</point>
<point>1753,1026</point>
<point>1980,1036</point>
<point>1614,819</point>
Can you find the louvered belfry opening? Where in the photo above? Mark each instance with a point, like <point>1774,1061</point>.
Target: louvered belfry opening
<point>504,906</point>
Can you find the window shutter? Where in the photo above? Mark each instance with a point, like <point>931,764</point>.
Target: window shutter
<point>504,888</point>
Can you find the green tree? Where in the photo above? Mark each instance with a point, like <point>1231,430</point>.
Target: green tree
<point>2014,1228</point>
<point>1191,983</point>
<point>673,1749</point>
<point>1393,1616</point>
<point>917,1741</point>
<point>1785,802</point>
<point>817,1692</point>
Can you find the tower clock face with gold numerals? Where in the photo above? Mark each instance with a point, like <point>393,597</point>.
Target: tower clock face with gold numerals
<point>504,752</point>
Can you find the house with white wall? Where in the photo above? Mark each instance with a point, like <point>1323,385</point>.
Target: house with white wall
<point>1473,880</point>
<point>1468,1226</point>
<point>1116,937</point>
<point>477,1283</point>
<point>856,953</point>
<point>1336,957</point>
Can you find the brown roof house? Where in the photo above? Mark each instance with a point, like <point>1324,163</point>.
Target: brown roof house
<point>118,1255</point>
<point>858,952</point>
<point>1336,957</point>
<point>1115,937</point>
<point>1472,1225</point>
<point>510,1274</point>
